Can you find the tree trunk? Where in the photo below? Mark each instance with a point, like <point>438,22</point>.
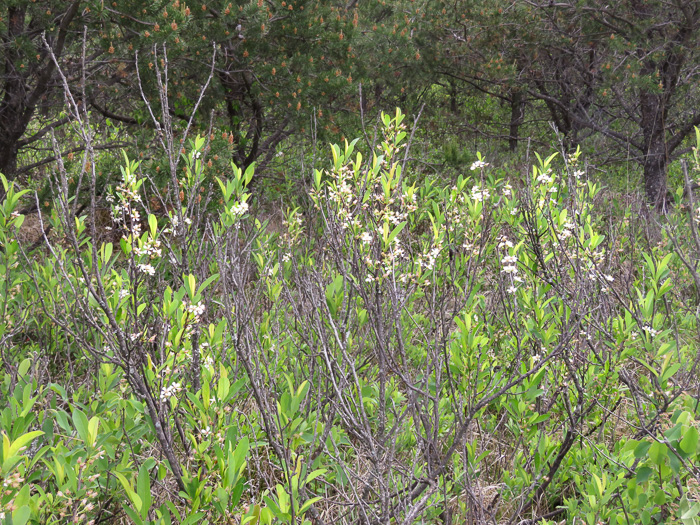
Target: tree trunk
<point>655,164</point>
<point>8,162</point>
<point>8,157</point>
<point>517,112</point>
<point>23,92</point>
<point>453,99</point>
<point>653,109</point>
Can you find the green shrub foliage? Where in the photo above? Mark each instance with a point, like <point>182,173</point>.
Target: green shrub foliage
<point>492,350</point>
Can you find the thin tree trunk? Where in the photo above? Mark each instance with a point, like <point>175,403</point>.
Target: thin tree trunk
<point>517,111</point>
<point>653,111</point>
<point>655,164</point>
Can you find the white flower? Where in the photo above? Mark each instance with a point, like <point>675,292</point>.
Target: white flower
<point>545,178</point>
<point>512,289</point>
<point>509,263</point>
<point>169,391</point>
<point>147,269</point>
<point>366,237</point>
<point>650,330</point>
<point>505,243</point>
<point>478,165</point>
<point>240,208</point>
<point>478,194</point>
<point>195,309</point>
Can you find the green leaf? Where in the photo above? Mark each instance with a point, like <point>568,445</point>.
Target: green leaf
<point>193,518</point>
<point>249,172</point>
<point>152,224</point>
<point>190,284</point>
<point>657,452</point>
<point>144,487</point>
<point>307,505</point>
<point>21,515</point>
<point>641,450</point>
<point>206,283</point>
<point>107,250</point>
<point>23,368</point>
<point>236,493</point>
<point>395,232</point>
<point>135,518</point>
<point>92,430</point>
<point>240,454</point>
<point>135,498</point>
<point>660,497</point>
<point>643,474</point>
<point>223,387</point>
<point>674,433</point>
<point>670,371</point>
<point>689,443</point>
<point>691,512</point>
<point>21,442</point>
<point>315,474</point>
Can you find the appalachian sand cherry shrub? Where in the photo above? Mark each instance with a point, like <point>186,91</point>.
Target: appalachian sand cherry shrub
<point>481,350</point>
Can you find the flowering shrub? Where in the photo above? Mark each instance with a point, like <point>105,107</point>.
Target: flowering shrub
<point>489,351</point>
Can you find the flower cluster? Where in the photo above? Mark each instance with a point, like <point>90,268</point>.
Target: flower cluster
<point>150,248</point>
<point>649,330</point>
<point>147,269</point>
<point>567,230</point>
<point>480,194</point>
<point>509,263</point>
<point>354,197</point>
<point>208,433</point>
<point>239,209</point>
<point>428,261</point>
<point>175,221</point>
<point>175,226</point>
<point>124,201</point>
<point>196,310</point>
<point>510,266</point>
<point>169,391</point>
<point>546,177</point>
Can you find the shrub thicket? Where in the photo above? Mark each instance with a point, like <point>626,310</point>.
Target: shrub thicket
<point>492,351</point>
